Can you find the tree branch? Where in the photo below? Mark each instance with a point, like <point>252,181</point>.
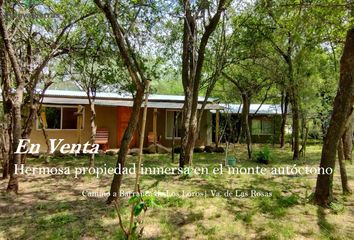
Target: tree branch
<point>35,74</point>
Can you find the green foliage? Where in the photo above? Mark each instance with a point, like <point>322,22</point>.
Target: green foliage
<point>173,201</point>
<point>279,231</point>
<point>245,216</point>
<point>284,217</point>
<point>57,220</point>
<point>186,173</point>
<point>336,207</point>
<point>277,204</point>
<point>143,202</point>
<point>263,156</point>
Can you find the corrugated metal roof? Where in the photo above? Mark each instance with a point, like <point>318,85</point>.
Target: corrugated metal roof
<point>68,97</point>
<point>111,95</point>
<point>115,99</point>
<point>123,103</point>
<point>268,109</point>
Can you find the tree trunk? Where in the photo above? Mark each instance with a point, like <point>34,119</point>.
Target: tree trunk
<point>283,119</point>
<point>30,120</point>
<point>124,147</point>
<point>7,108</point>
<point>343,171</point>
<point>192,64</point>
<point>193,133</point>
<point>4,148</point>
<point>304,142</point>
<point>186,118</point>
<point>140,159</point>
<point>16,132</point>
<point>304,133</point>
<point>135,70</point>
<point>46,138</point>
<point>93,130</point>
<point>342,110</point>
<point>16,104</point>
<point>246,133</point>
<point>188,76</point>
<point>348,140</point>
<point>295,115</point>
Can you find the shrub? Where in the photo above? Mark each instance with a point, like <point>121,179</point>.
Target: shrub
<point>336,207</point>
<point>314,133</point>
<point>263,156</point>
<point>219,150</point>
<point>208,149</point>
<point>198,150</point>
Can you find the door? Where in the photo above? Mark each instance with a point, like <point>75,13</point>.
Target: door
<point>123,117</point>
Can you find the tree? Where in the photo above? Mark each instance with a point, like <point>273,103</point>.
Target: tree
<point>133,62</point>
<point>193,56</point>
<point>6,127</point>
<point>91,65</point>
<point>291,88</point>
<point>342,156</point>
<point>342,110</point>
<point>249,67</point>
<point>27,68</point>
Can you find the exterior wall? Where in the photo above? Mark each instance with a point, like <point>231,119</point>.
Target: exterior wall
<point>256,138</point>
<point>106,117</point>
<point>204,137</point>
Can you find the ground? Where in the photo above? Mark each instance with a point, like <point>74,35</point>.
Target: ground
<point>52,207</point>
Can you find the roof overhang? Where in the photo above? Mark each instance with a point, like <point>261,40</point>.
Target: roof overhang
<point>259,109</point>
<point>122,103</point>
<point>63,97</point>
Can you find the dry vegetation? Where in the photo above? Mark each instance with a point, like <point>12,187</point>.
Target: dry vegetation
<point>52,207</point>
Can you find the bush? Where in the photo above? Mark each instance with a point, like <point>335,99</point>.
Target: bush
<point>314,134</point>
<point>198,150</point>
<point>263,156</point>
<point>208,149</point>
<point>219,150</point>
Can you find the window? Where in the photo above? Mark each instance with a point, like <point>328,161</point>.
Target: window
<point>256,126</point>
<point>51,117</point>
<point>69,120</point>
<point>267,127</point>
<point>170,116</point>
<point>262,127</point>
<point>60,117</point>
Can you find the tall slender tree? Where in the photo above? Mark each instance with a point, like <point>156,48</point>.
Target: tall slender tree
<point>342,110</point>
<point>193,56</point>
<point>133,62</point>
<point>27,70</point>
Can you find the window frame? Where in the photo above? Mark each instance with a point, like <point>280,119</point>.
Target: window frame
<point>252,126</point>
<point>61,118</point>
<point>262,133</point>
<point>271,127</point>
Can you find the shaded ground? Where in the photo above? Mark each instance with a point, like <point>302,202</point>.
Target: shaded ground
<point>52,207</point>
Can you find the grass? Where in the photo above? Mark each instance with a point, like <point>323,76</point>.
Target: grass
<point>52,207</point>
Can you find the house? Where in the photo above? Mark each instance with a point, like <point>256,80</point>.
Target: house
<point>264,122</point>
<point>60,116</point>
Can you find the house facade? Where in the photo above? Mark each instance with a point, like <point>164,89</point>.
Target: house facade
<point>264,122</point>
<point>66,115</point>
